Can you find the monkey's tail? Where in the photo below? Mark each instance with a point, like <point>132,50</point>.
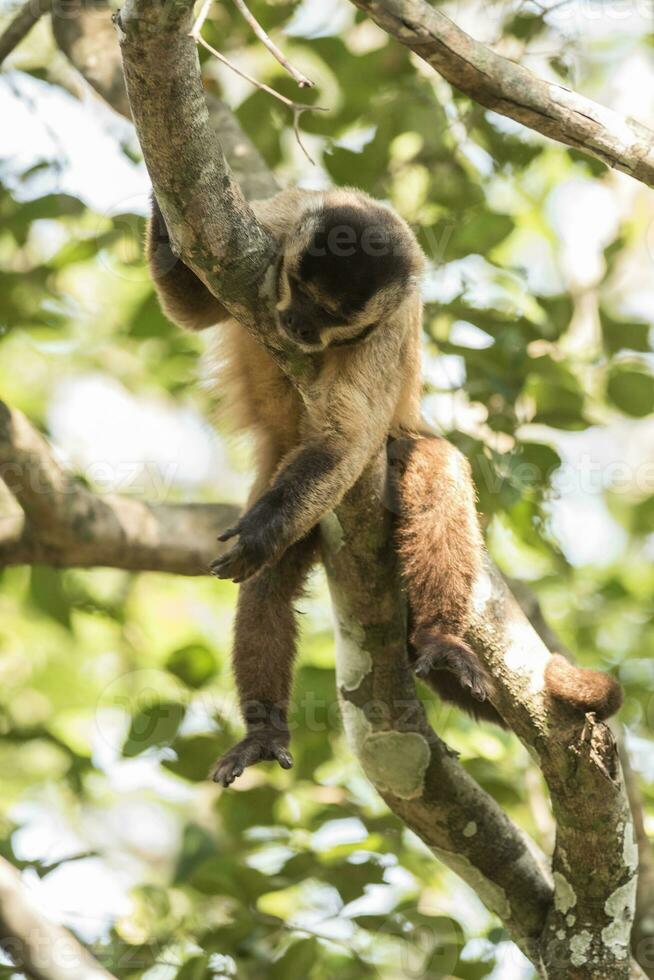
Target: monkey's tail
<point>583,689</point>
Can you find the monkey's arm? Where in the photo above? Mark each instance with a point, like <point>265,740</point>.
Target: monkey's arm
<point>314,477</point>
<point>311,482</point>
<point>184,298</point>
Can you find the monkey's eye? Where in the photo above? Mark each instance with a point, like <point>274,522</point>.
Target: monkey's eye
<point>299,285</point>
<point>332,319</point>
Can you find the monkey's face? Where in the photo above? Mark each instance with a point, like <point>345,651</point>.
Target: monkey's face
<point>307,316</point>
<point>343,272</point>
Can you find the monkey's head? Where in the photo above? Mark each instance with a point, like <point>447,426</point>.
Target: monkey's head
<point>344,270</point>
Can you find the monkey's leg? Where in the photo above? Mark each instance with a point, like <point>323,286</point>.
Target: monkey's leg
<point>263,656</point>
<point>440,547</point>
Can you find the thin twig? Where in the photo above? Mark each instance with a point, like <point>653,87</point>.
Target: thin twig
<point>301,79</point>
<point>21,25</point>
<point>199,22</point>
<point>297,108</point>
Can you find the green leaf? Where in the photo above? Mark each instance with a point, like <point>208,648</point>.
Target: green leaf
<point>196,755</point>
<point>526,26</point>
<point>48,595</point>
<point>624,334</point>
<point>223,875</point>
<point>148,320</point>
<point>197,968</point>
<point>541,462</point>
<point>631,390</point>
<point>474,233</point>
<point>197,846</point>
<point>155,726</point>
<point>559,398</point>
<point>297,961</point>
<point>194,664</point>
<point>643,516</point>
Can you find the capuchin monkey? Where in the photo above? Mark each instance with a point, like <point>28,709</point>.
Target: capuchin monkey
<point>348,293</point>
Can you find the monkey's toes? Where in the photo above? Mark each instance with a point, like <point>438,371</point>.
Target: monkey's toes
<point>259,746</point>
<point>468,673</point>
<point>479,684</point>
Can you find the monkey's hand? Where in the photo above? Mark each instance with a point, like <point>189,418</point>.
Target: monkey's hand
<point>261,745</point>
<point>243,560</point>
<point>260,542</point>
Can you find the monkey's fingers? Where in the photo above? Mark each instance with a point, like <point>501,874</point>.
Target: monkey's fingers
<point>231,532</point>
<point>284,757</point>
<point>232,566</point>
<point>455,657</point>
<point>221,567</point>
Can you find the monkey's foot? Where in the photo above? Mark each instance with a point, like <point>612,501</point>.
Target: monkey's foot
<point>262,745</point>
<point>459,660</point>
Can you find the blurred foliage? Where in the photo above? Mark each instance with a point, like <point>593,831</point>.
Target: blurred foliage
<point>116,694</point>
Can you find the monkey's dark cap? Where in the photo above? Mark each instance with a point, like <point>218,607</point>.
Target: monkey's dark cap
<point>355,252</point>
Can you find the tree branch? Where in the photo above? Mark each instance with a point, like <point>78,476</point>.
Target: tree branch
<point>211,226</point>
<point>64,524</point>
<point>592,914</point>
<point>514,91</point>
<point>44,950</point>
<point>21,25</point>
<point>265,39</point>
<point>641,938</point>
<point>644,916</point>
<point>417,774</point>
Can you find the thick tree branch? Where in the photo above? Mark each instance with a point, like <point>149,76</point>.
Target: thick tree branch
<point>643,929</point>
<point>592,913</point>
<point>64,524</point>
<point>514,91</point>
<point>642,937</point>
<point>211,226</point>
<point>417,774</point>
<point>40,948</point>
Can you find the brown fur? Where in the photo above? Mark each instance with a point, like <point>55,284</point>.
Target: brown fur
<point>311,450</point>
<point>439,543</point>
<point>582,689</point>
